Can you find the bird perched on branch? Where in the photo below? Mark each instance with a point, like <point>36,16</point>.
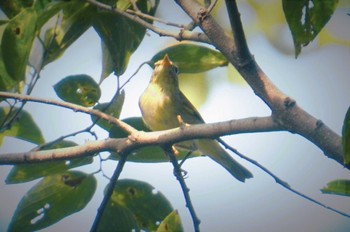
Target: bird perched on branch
<point>163,103</point>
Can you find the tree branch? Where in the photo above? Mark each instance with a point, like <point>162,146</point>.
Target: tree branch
<point>279,181</point>
<point>76,108</point>
<point>109,192</point>
<point>136,138</point>
<point>140,139</point>
<point>185,189</point>
<point>183,34</point>
<point>284,109</point>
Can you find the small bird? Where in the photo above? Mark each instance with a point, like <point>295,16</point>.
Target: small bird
<point>162,103</point>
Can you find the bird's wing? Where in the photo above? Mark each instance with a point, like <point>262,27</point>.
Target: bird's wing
<point>190,114</point>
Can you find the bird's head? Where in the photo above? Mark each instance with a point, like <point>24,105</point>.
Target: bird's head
<point>165,73</point>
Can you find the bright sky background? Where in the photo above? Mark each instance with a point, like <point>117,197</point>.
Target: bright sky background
<point>318,80</point>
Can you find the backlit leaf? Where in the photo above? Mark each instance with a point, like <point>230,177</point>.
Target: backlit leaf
<point>306,19</point>
<point>79,89</point>
<point>75,18</point>
<point>192,58</point>
<point>117,216</point>
<point>6,82</point>
<point>346,138</point>
<point>135,201</point>
<point>112,108</point>
<point>52,199</point>
<point>27,172</point>
<point>172,223</point>
<point>23,127</point>
<point>120,35</point>
<point>338,187</point>
<point>17,42</point>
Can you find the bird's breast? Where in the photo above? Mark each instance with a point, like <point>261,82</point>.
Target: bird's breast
<point>158,109</point>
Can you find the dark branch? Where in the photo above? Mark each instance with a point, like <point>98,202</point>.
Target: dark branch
<point>185,190</point>
<point>109,192</point>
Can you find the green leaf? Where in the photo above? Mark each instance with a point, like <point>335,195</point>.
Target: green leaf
<point>27,172</point>
<point>13,7</point>
<point>120,35</point>
<point>149,154</point>
<point>112,108</point>
<point>52,199</point>
<point>191,58</point>
<point>23,127</point>
<point>79,89</point>
<point>306,19</point>
<point>346,138</point>
<point>107,63</point>
<point>76,19</point>
<point>17,42</point>
<point>138,202</point>
<point>117,216</point>
<point>338,187</point>
<point>172,223</point>
<point>6,82</point>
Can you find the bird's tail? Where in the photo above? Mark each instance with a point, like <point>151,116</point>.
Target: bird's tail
<point>213,149</point>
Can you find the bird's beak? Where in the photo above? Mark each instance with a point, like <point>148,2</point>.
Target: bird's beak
<point>166,62</point>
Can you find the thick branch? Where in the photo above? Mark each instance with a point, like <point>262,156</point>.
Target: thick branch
<point>141,139</point>
<point>285,110</point>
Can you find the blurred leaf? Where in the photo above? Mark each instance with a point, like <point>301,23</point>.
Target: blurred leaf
<point>76,19</point>
<point>52,199</point>
<point>6,82</point>
<point>137,202</point>
<point>23,127</point>
<point>13,7</point>
<point>79,89</point>
<point>112,108</point>
<point>107,62</point>
<point>117,216</point>
<point>234,76</point>
<point>192,58</point>
<point>121,37</point>
<point>17,42</point>
<point>338,187</point>
<point>27,172</point>
<point>149,154</point>
<point>346,138</point>
<point>306,19</point>
<point>172,223</point>
<point>195,86</point>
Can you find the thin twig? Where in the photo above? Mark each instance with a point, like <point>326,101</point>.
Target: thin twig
<point>182,35</point>
<point>185,189</point>
<point>109,192</point>
<point>48,144</point>
<point>74,107</point>
<point>150,17</point>
<point>211,6</point>
<point>137,70</point>
<point>280,181</point>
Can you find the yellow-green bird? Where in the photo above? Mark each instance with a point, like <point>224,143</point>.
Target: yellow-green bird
<point>163,101</point>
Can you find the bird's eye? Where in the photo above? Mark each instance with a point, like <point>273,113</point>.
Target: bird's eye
<point>176,69</point>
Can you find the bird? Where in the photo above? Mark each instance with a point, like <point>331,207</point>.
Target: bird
<point>162,104</point>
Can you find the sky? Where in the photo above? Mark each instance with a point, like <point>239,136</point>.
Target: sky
<point>318,80</point>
